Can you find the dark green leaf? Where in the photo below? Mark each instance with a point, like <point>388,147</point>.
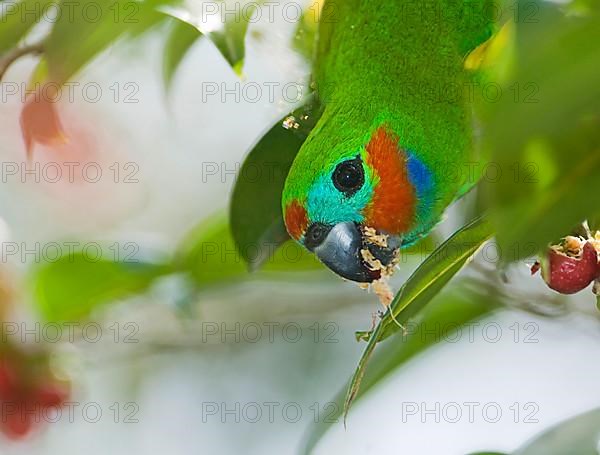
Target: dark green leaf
<point>422,286</point>
<point>578,435</point>
<point>72,287</point>
<point>544,134</point>
<point>18,19</point>
<point>255,208</point>
<point>181,38</point>
<point>453,309</point>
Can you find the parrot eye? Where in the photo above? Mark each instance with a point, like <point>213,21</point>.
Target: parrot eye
<point>349,176</point>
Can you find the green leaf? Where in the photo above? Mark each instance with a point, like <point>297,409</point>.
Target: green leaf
<point>231,39</point>
<point>210,256</point>
<point>422,286</point>
<point>74,286</point>
<point>583,6</point>
<point>146,17</point>
<point>93,35</point>
<point>434,273</point>
<point>181,38</point>
<point>18,19</point>
<point>452,309</point>
<point>544,134</point>
<point>39,75</point>
<point>255,209</point>
<point>578,435</point>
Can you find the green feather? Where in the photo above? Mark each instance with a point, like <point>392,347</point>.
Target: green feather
<point>400,64</point>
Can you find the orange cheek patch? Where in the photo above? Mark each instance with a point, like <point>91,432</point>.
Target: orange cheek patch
<point>393,206</point>
<point>296,220</point>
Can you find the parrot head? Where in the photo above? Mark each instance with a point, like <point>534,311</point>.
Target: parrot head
<point>336,197</point>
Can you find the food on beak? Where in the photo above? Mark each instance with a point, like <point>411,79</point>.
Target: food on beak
<point>381,286</point>
<point>352,251</point>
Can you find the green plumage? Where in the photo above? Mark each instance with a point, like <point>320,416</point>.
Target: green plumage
<point>398,63</point>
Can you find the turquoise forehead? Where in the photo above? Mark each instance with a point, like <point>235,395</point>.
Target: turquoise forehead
<point>325,204</point>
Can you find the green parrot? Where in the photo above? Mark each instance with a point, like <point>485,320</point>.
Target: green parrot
<point>395,130</point>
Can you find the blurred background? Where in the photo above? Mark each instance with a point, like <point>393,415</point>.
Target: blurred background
<point>217,360</point>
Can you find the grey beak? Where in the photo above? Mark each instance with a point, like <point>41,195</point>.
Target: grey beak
<point>339,248</point>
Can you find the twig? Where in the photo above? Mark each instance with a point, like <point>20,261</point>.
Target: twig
<point>16,53</point>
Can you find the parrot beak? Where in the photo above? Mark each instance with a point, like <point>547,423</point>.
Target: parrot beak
<point>339,248</point>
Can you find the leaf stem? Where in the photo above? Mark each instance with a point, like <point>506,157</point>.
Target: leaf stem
<point>16,53</point>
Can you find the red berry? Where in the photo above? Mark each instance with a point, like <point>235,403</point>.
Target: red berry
<point>569,275</point>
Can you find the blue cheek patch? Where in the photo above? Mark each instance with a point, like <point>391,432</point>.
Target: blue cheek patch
<point>422,179</point>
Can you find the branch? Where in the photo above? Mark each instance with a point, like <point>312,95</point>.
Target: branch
<point>16,53</point>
